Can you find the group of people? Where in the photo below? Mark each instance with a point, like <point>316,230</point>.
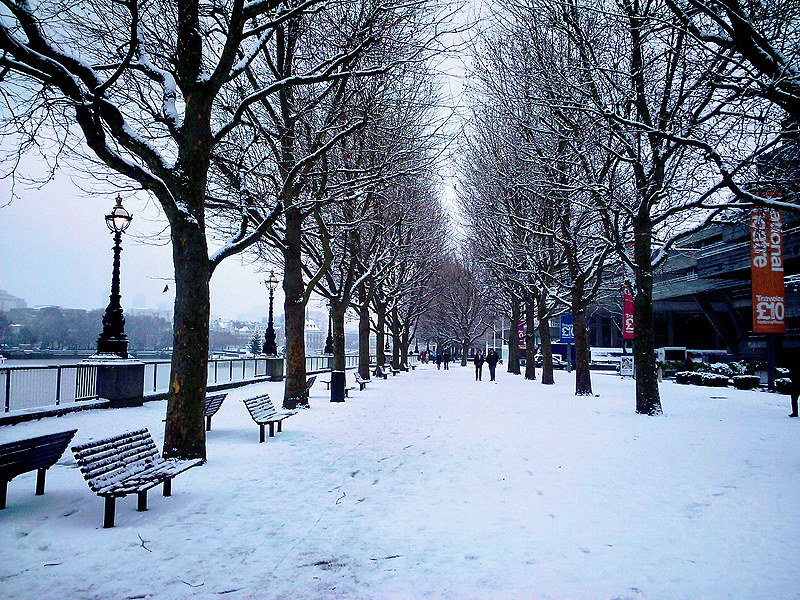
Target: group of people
<point>440,358</point>
<point>491,359</point>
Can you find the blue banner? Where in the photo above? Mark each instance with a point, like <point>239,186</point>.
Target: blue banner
<point>567,331</point>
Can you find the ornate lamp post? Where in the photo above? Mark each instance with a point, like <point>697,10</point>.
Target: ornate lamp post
<point>329,339</point>
<point>270,347</point>
<point>113,339</point>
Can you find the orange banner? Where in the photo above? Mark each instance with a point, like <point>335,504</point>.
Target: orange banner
<point>766,267</point>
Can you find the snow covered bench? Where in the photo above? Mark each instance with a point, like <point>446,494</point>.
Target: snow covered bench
<point>309,382</point>
<point>394,371</point>
<point>404,367</point>
<point>362,383</point>
<point>379,372</point>
<point>126,464</point>
<point>32,454</point>
<point>263,413</point>
<point>212,404</point>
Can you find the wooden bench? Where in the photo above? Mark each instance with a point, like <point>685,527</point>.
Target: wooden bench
<point>379,372</point>
<point>263,413</point>
<point>404,367</point>
<point>362,383</point>
<point>33,454</point>
<point>394,371</point>
<point>309,382</point>
<point>212,404</point>
<point>125,464</point>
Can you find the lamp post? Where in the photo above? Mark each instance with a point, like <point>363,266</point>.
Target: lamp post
<point>113,339</point>
<point>270,347</point>
<point>329,339</point>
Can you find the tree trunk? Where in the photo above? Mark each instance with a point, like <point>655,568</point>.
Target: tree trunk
<point>530,338</point>
<point>464,350</point>
<point>513,338</point>
<point>395,328</point>
<point>339,364</point>
<point>547,350</point>
<point>404,343</point>
<point>648,400</point>
<point>363,340</point>
<point>380,328</point>
<point>294,393</point>
<point>583,378</point>
<point>184,432</point>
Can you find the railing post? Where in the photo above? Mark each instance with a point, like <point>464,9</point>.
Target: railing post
<point>58,385</point>
<point>230,370</point>
<point>216,364</point>
<point>8,390</point>
<point>155,376</point>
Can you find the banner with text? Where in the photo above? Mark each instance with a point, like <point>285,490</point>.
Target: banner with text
<point>766,262</point>
<point>627,316</point>
<point>567,329</point>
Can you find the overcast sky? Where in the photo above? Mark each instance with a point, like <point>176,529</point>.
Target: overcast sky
<point>55,248</point>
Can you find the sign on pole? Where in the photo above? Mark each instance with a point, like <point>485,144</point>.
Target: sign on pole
<point>567,329</point>
<point>766,263</point>
<point>627,316</point>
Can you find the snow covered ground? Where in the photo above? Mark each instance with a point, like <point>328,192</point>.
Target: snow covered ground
<point>432,485</point>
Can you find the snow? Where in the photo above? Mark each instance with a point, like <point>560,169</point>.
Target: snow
<point>432,485</point>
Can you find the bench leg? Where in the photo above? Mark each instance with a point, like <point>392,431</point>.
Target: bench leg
<point>280,426</point>
<point>208,423</point>
<point>271,429</point>
<point>261,431</point>
<point>40,481</point>
<point>167,487</point>
<point>3,490</point>
<point>108,518</point>
<point>141,505</point>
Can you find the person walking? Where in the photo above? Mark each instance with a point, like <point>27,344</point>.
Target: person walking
<point>491,360</point>
<point>446,360</point>
<point>478,360</point>
<point>438,361</point>
<point>794,390</point>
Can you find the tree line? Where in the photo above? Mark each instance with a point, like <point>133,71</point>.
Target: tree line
<point>602,132</point>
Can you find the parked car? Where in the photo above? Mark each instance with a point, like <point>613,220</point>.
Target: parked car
<point>558,362</point>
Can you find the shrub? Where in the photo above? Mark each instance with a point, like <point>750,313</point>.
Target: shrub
<point>714,380</point>
<point>746,382</point>
<point>721,369</point>
<point>696,378</point>
<point>783,385</point>
<point>683,377</point>
<point>739,368</point>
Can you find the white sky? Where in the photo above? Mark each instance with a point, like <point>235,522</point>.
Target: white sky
<point>55,248</point>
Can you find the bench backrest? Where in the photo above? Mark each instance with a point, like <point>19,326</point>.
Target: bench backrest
<point>310,381</point>
<point>104,462</point>
<point>379,371</point>
<point>213,402</point>
<point>359,378</point>
<point>260,408</point>
<point>39,452</point>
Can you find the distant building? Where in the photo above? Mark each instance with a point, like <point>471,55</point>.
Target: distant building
<point>315,337</point>
<point>9,302</point>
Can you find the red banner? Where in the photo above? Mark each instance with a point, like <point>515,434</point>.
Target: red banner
<point>766,263</point>
<point>627,316</point>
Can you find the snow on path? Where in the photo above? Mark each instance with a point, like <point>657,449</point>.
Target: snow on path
<point>432,485</point>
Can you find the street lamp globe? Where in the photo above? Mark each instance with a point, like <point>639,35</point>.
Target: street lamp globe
<point>119,218</point>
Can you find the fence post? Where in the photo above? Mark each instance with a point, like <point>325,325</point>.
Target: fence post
<point>58,385</point>
<point>8,390</point>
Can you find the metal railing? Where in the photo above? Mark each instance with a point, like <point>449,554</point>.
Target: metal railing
<point>42,386</point>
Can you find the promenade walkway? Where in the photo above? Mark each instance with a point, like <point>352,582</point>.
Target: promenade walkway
<point>432,485</point>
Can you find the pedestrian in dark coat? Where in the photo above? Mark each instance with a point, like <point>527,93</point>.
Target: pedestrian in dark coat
<point>794,375</point>
<point>446,359</point>
<point>491,360</point>
<point>478,360</point>
<point>438,361</point>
